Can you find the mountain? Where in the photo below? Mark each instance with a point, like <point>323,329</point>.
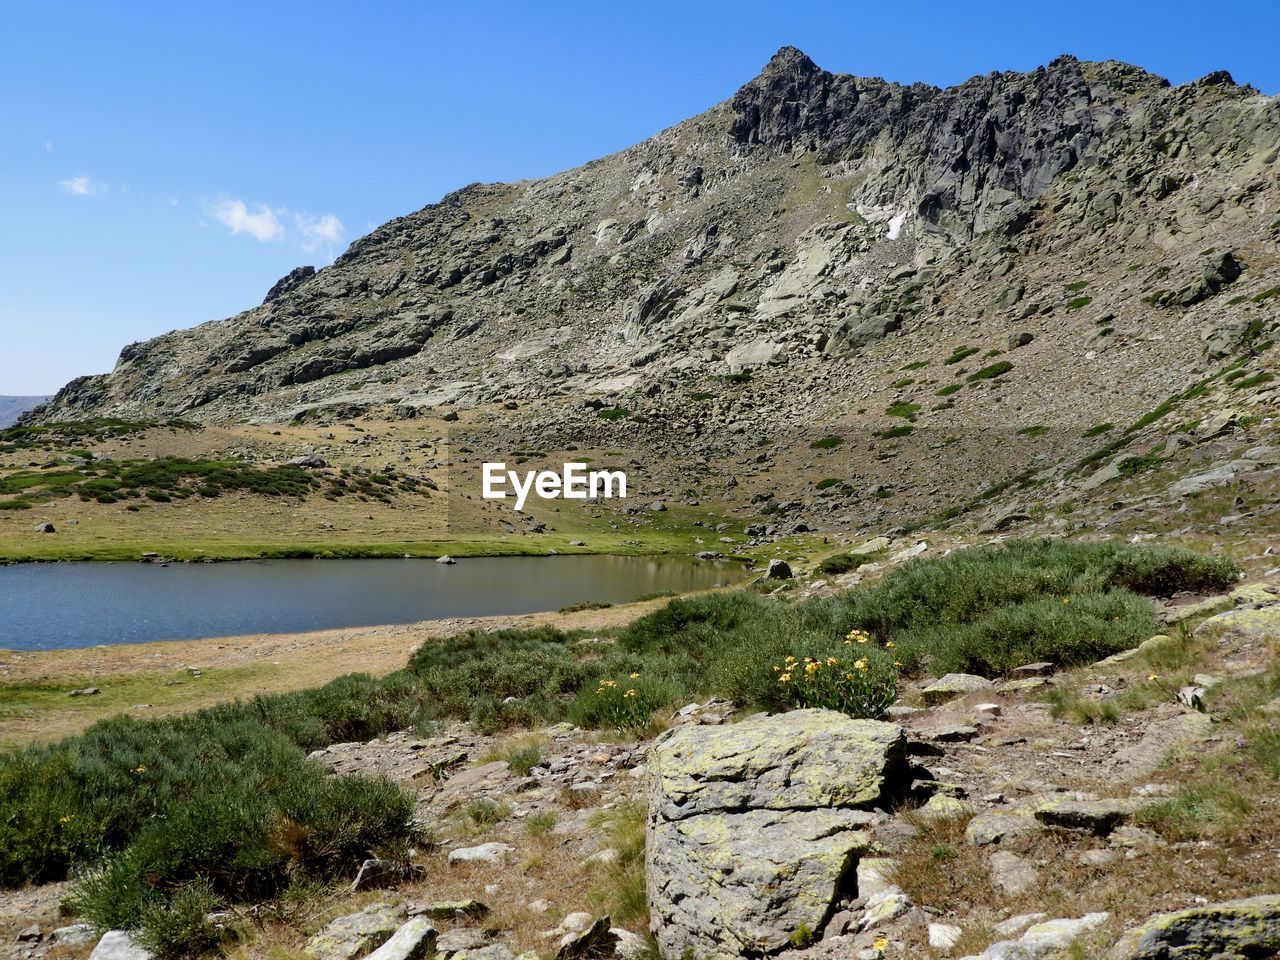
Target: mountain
<point>13,407</point>
<point>1021,256</point>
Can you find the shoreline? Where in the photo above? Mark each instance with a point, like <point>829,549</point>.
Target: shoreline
<point>38,683</point>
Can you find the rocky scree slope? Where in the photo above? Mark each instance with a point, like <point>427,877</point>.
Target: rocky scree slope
<point>1066,246</point>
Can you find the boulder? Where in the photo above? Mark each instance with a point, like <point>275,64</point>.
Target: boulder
<point>594,942</point>
<point>1011,873</point>
<point>998,825</point>
<point>118,945</point>
<point>778,570</point>
<point>755,828</point>
<point>1091,816</point>
<point>953,685</point>
<point>357,934</point>
<point>413,941</point>
<point>1042,939</point>
<point>493,852</point>
<point>1244,622</point>
<point>1235,928</point>
<point>1162,738</point>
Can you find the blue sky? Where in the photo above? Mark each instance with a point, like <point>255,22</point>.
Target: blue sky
<point>162,164</point>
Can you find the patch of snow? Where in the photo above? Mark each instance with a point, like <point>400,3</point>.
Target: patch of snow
<point>895,225</point>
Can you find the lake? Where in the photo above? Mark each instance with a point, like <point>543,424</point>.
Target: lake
<point>57,606</point>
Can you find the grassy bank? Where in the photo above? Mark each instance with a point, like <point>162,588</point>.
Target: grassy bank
<point>226,797</point>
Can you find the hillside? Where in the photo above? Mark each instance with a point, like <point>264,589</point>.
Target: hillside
<point>1022,258</point>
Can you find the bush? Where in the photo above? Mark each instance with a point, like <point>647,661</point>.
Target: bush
<point>181,928</point>
<point>857,682</point>
<point>838,563</point>
<point>998,369</point>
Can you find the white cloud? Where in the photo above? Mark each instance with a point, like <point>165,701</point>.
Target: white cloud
<point>262,225</point>
<point>324,231</point>
<point>82,186</point>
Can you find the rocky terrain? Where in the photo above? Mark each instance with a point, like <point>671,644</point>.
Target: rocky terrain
<point>1000,820</point>
<point>966,287</point>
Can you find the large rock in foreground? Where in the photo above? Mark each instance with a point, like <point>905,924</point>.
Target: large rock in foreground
<point>1233,930</point>
<point>755,828</point>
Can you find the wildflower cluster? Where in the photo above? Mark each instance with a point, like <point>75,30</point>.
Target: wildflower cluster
<point>860,686</point>
<point>623,707</point>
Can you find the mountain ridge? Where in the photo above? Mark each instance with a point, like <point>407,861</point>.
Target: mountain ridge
<point>819,255</point>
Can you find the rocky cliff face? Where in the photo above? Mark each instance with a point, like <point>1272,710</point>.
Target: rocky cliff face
<point>841,240</point>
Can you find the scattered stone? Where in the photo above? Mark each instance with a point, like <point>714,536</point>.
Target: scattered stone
<point>778,569</point>
<point>1016,925</point>
<point>1161,739</point>
<point>1244,622</point>
<point>988,828</point>
<point>1228,930</point>
<point>75,935</point>
<point>953,685</point>
<point>453,909</point>
<point>85,692</point>
<point>1011,873</point>
<point>873,875</point>
<point>953,733</point>
<point>594,942</point>
<point>445,559</point>
<point>493,852</point>
<point>31,934</point>
<point>356,934</point>
<point>1098,817</point>
<point>886,906</point>
<point>118,945</point>
<point>1043,938</point>
<point>943,936</point>
<point>1098,858</point>
<point>1027,683</point>
<point>382,873</point>
<point>413,941</point>
<point>1041,669</point>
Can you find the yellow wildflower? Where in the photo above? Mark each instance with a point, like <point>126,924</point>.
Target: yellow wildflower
<point>140,769</point>
<point>635,676</point>
<point>786,677</point>
<point>66,819</point>
<point>880,942</point>
<point>629,693</point>
<point>889,644</point>
<point>861,665</point>
<point>1153,676</point>
<point>832,661</point>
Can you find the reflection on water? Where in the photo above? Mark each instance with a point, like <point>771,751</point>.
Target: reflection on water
<point>52,606</point>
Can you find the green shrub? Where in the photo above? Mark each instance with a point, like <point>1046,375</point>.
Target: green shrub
<point>959,354</point>
<point>613,413</point>
<point>991,372</point>
<point>948,390</point>
<point>894,433</point>
<point>855,679</point>
<point>1098,429</point>
<point>826,443</point>
<point>1079,303</point>
<point>181,927</point>
<point>838,563</point>
<point>903,409</point>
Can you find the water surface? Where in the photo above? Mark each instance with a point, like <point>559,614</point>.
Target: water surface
<point>56,606</point>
